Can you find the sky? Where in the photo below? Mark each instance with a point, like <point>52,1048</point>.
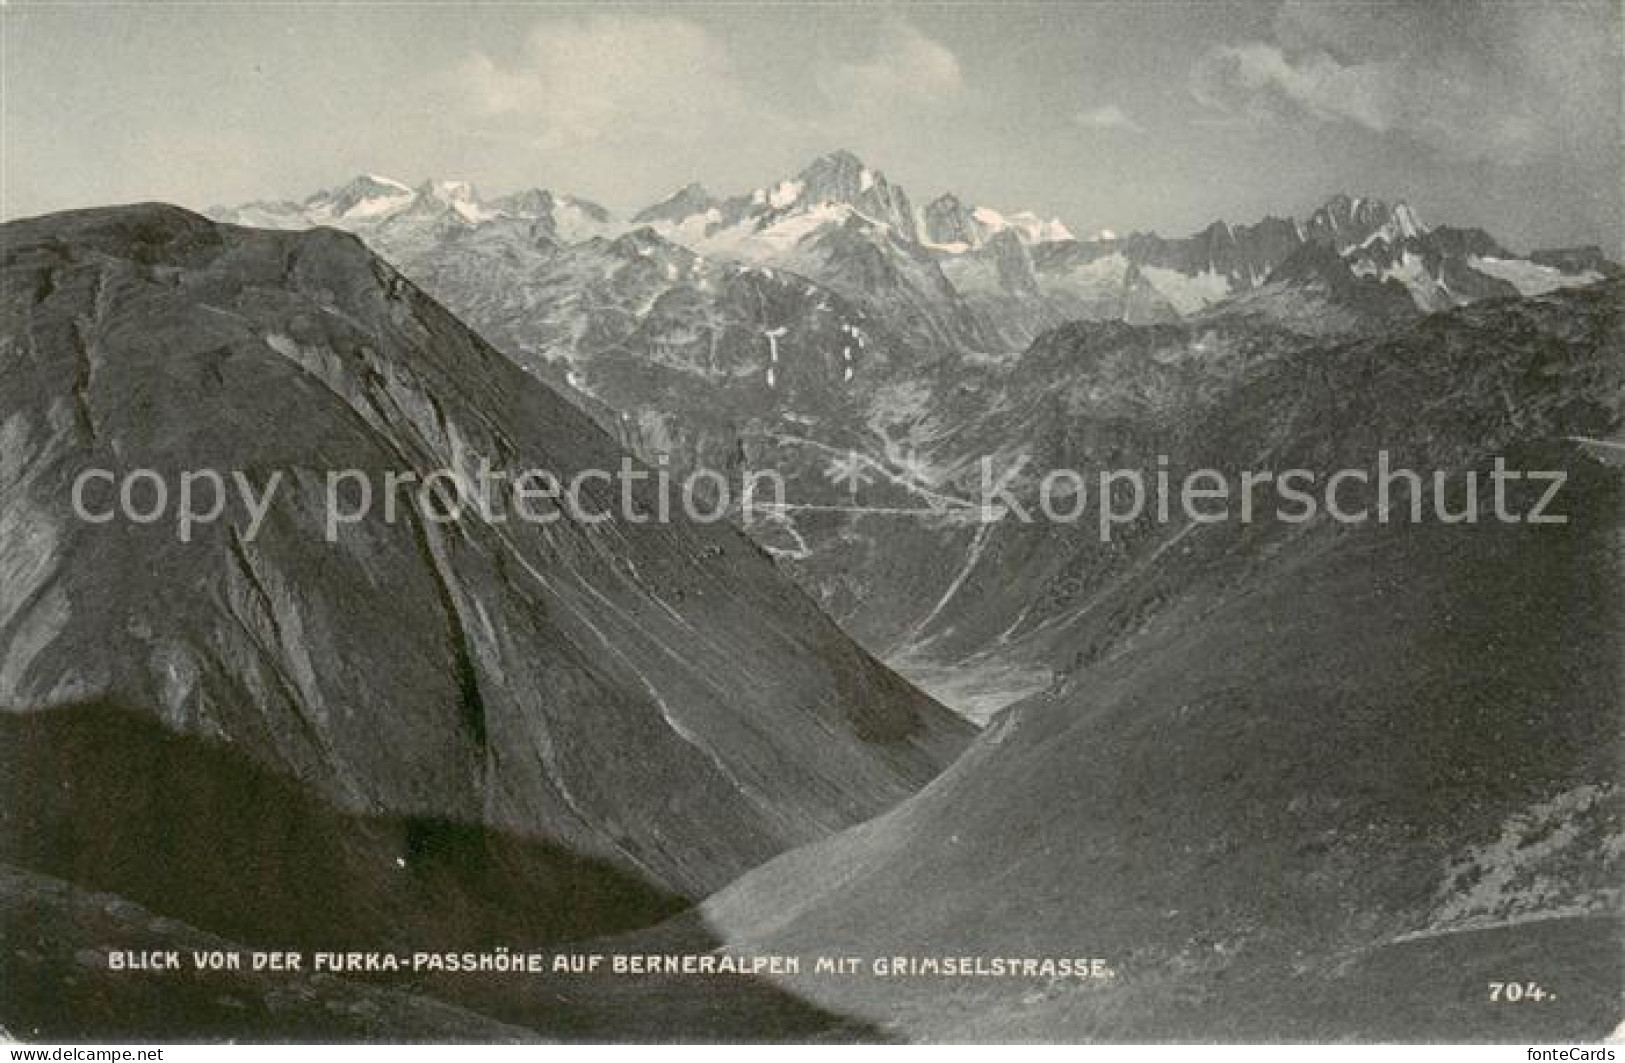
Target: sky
<point>1144,116</point>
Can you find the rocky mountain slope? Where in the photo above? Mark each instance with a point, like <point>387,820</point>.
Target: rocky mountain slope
<point>1299,781</point>
<point>1292,781</point>
<point>635,712</point>
<point>826,322</point>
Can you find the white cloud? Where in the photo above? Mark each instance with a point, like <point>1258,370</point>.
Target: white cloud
<point>906,67</point>
<point>1469,82</point>
<point>599,100</point>
<point>1108,117</point>
<point>1252,76</point>
<point>611,76</point>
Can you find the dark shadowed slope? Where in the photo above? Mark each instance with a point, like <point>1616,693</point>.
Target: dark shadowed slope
<point>68,994</point>
<point>1301,782</point>
<point>200,828</point>
<point>652,697</point>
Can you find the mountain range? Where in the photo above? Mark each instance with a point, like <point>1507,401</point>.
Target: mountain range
<point>964,274</point>
<point>1290,781</point>
<point>828,315</point>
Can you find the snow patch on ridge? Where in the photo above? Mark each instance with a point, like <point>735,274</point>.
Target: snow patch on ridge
<point>1185,293</point>
<point>1531,278</point>
<point>785,194</point>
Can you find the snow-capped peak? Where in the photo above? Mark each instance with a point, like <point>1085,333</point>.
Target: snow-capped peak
<point>1360,221</point>
<point>947,224</point>
<point>784,194</point>
<point>366,197</point>
<point>990,218</point>
<point>690,200</point>
<point>387,182</point>
<point>459,197</point>
<point>838,177</point>
<point>1409,224</point>
<point>449,191</point>
<point>1028,227</point>
<point>570,218</point>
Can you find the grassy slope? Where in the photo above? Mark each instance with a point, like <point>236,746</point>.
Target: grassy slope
<point>1281,755</point>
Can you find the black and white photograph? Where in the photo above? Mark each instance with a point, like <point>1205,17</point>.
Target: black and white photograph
<point>804,523</point>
